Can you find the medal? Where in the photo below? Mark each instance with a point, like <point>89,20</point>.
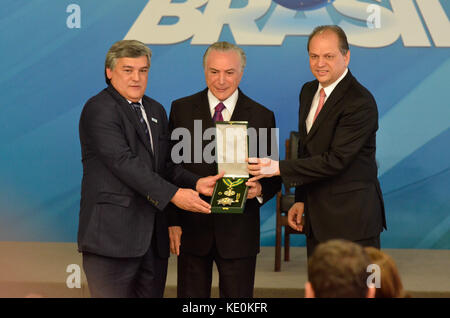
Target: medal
<point>225,201</point>
<point>229,193</point>
<point>230,184</point>
<point>228,201</point>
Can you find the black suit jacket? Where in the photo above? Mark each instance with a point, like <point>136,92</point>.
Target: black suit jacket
<point>235,235</point>
<point>336,173</point>
<point>124,189</point>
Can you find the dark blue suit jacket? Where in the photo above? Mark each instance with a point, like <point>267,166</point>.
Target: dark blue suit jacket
<point>126,186</point>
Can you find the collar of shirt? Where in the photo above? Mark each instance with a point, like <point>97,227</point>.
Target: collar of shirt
<point>330,88</point>
<point>230,104</point>
<point>139,102</point>
<point>315,102</point>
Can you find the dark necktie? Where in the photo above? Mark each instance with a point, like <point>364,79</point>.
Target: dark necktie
<point>137,108</point>
<point>218,112</point>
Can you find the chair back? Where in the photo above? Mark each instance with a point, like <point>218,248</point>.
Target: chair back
<point>292,149</point>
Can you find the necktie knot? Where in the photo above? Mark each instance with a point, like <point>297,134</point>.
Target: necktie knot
<point>218,112</point>
<point>322,93</point>
<point>139,110</point>
<point>220,107</point>
<point>136,105</point>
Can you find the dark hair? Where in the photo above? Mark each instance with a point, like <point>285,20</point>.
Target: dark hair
<point>338,268</point>
<point>125,48</point>
<point>343,44</point>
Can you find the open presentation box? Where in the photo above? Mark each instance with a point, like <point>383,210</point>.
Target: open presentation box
<point>230,192</point>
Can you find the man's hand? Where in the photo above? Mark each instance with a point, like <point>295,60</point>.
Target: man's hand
<point>175,239</point>
<point>189,200</point>
<point>255,189</point>
<point>295,214</point>
<point>262,168</point>
<point>206,185</point>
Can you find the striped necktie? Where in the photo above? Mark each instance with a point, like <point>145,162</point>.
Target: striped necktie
<point>139,109</point>
<point>218,112</point>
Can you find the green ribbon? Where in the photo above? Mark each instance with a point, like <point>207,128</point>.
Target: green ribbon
<point>232,184</point>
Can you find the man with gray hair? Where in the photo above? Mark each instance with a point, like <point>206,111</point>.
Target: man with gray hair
<point>229,240</point>
<point>128,180</point>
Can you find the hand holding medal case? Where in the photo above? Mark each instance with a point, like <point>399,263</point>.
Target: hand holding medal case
<point>230,192</point>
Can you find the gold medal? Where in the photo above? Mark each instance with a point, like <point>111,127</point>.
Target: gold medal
<point>231,184</point>
<point>228,200</point>
<point>229,193</point>
<point>225,201</point>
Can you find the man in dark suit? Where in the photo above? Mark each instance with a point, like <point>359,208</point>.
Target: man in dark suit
<point>128,180</point>
<point>231,240</point>
<point>335,176</point>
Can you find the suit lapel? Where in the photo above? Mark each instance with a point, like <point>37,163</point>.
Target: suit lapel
<point>240,112</point>
<point>131,115</point>
<point>202,110</point>
<point>305,106</point>
<point>154,123</point>
<point>337,94</point>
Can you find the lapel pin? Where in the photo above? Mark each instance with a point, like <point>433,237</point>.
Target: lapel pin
<point>155,120</point>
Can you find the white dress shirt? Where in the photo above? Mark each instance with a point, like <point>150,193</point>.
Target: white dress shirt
<point>230,104</point>
<point>315,102</point>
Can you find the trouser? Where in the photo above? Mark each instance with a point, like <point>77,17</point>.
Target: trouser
<point>236,276</point>
<point>135,277</point>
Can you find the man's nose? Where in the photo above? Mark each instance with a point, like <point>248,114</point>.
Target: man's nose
<point>135,76</point>
<point>321,61</point>
<point>221,78</point>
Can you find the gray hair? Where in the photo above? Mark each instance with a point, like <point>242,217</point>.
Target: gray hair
<point>225,47</point>
<point>125,48</point>
<point>343,44</point>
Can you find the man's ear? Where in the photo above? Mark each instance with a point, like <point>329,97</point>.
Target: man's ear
<point>309,291</point>
<point>371,292</point>
<point>108,73</point>
<point>347,58</point>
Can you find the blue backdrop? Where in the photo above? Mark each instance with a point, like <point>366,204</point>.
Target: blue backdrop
<point>52,60</point>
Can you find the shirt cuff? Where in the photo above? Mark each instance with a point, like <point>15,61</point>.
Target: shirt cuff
<point>260,199</point>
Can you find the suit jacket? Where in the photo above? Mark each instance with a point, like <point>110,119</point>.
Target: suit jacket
<point>234,235</point>
<point>336,173</point>
<point>124,189</point>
